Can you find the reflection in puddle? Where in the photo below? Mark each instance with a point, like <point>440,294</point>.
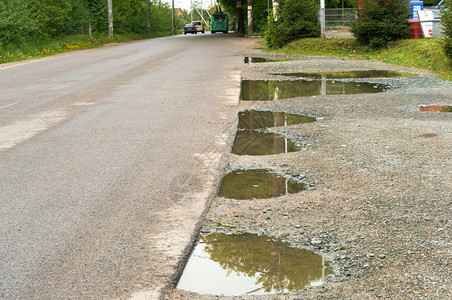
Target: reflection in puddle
<point>267,90</point>
<point>239,264</point>
<point>251,142</point>
<point>262,59</point>
<point>438,108</point>
<point>258,184</point>
<point>254,119</point>
<point>350,74</point>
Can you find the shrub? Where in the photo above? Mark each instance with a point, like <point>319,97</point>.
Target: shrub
<point>381,21</point>
<point>446,21</point>
<point>16,23</point>
<point>296,19</point>
<point>270,32</point>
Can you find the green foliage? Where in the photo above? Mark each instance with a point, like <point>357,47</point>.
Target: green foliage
<point>24,21</point>
<point>260,15</point>
<point>98,16</point>
<point>270,32</point>
<point>296,19</point>
<point>51,16</point>
<point>259,12</point>
<point>381,21</point>
<point>446,21</point>
<point>16,23</point>
<point>338,3</point>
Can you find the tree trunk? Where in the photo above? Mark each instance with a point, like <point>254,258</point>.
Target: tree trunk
<point>250,17</point>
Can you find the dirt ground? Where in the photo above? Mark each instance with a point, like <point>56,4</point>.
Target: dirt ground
<point>381,190</point>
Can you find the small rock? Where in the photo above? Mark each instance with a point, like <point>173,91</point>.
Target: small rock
<point>316,241</point>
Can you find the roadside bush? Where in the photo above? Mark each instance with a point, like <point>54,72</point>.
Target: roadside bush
<point>446,21</point>
<point>381,21</point>
<point>295,19</point>
<point>16,23</point>
<point>270,31</point>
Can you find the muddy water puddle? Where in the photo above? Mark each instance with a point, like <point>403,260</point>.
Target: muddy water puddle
<point>349,74</point>
<point>268,90</point>
<point>438,108</point>
<point>254,119</point>
<point>251,264</point>
<point>248,60</point>
<point>257,184</point>
<point>252,142</point>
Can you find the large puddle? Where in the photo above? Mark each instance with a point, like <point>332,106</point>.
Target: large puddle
<point>248,60</point>
<point>251,264</point>
<point>252,142</point>
<point>350,74</point>
<point>254,119</point>
<point>268,90</point>
<point>257,184</point>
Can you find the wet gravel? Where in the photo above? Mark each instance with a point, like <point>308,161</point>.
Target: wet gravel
<point>380,190</point>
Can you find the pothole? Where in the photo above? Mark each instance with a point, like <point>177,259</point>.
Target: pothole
<point>252,142</point>
<point>438,108</point>
<point>251,264</point>
<point>254,119</point>
<point>349,74</point>
<point>257,184</point>
<point>248,60</point>
<point>268,90</point>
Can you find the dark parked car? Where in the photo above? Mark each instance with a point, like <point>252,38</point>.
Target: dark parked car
<point>190,28</point>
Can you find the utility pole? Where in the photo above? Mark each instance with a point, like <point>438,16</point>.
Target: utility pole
<point>149,15</point>
<point>172,16</point>
<point>110,18</point>
<point>322,18</point>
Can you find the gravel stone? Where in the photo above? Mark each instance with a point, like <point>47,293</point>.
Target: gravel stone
<point>381,168</point>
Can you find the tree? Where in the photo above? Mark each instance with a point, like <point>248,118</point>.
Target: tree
<point>16,22</point>
<point>381,21</point>
<point>296,19</point>
<point>446,21</point>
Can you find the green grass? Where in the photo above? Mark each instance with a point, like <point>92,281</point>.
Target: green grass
<point>418,53</point>
<point>12,53</point>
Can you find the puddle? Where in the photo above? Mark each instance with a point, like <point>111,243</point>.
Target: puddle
<point>251,264</point>
<point>253,119</point>
<point>268,90</point>
<point>350,74</point>
<point>251,142</point>
<point>438,108</point>
<point>258,184</point>
<point>248,60</point>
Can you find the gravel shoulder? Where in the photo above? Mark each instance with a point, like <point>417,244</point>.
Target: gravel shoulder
<point>380,195</point>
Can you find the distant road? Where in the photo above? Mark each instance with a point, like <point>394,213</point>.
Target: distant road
<point>107,158</point>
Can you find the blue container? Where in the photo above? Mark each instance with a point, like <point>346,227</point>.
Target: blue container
<point>414,7</point>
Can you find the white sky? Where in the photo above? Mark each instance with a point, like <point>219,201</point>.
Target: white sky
<point>185,4</point>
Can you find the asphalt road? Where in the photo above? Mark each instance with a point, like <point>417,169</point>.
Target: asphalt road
<point>107,160</point>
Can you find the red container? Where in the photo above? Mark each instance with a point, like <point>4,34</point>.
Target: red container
<point>415,29</point>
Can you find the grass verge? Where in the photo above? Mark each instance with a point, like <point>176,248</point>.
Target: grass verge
<point>417,53</point>
<point>39,49</point>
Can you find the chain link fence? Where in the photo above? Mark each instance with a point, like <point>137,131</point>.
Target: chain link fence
<point>339,20</point>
